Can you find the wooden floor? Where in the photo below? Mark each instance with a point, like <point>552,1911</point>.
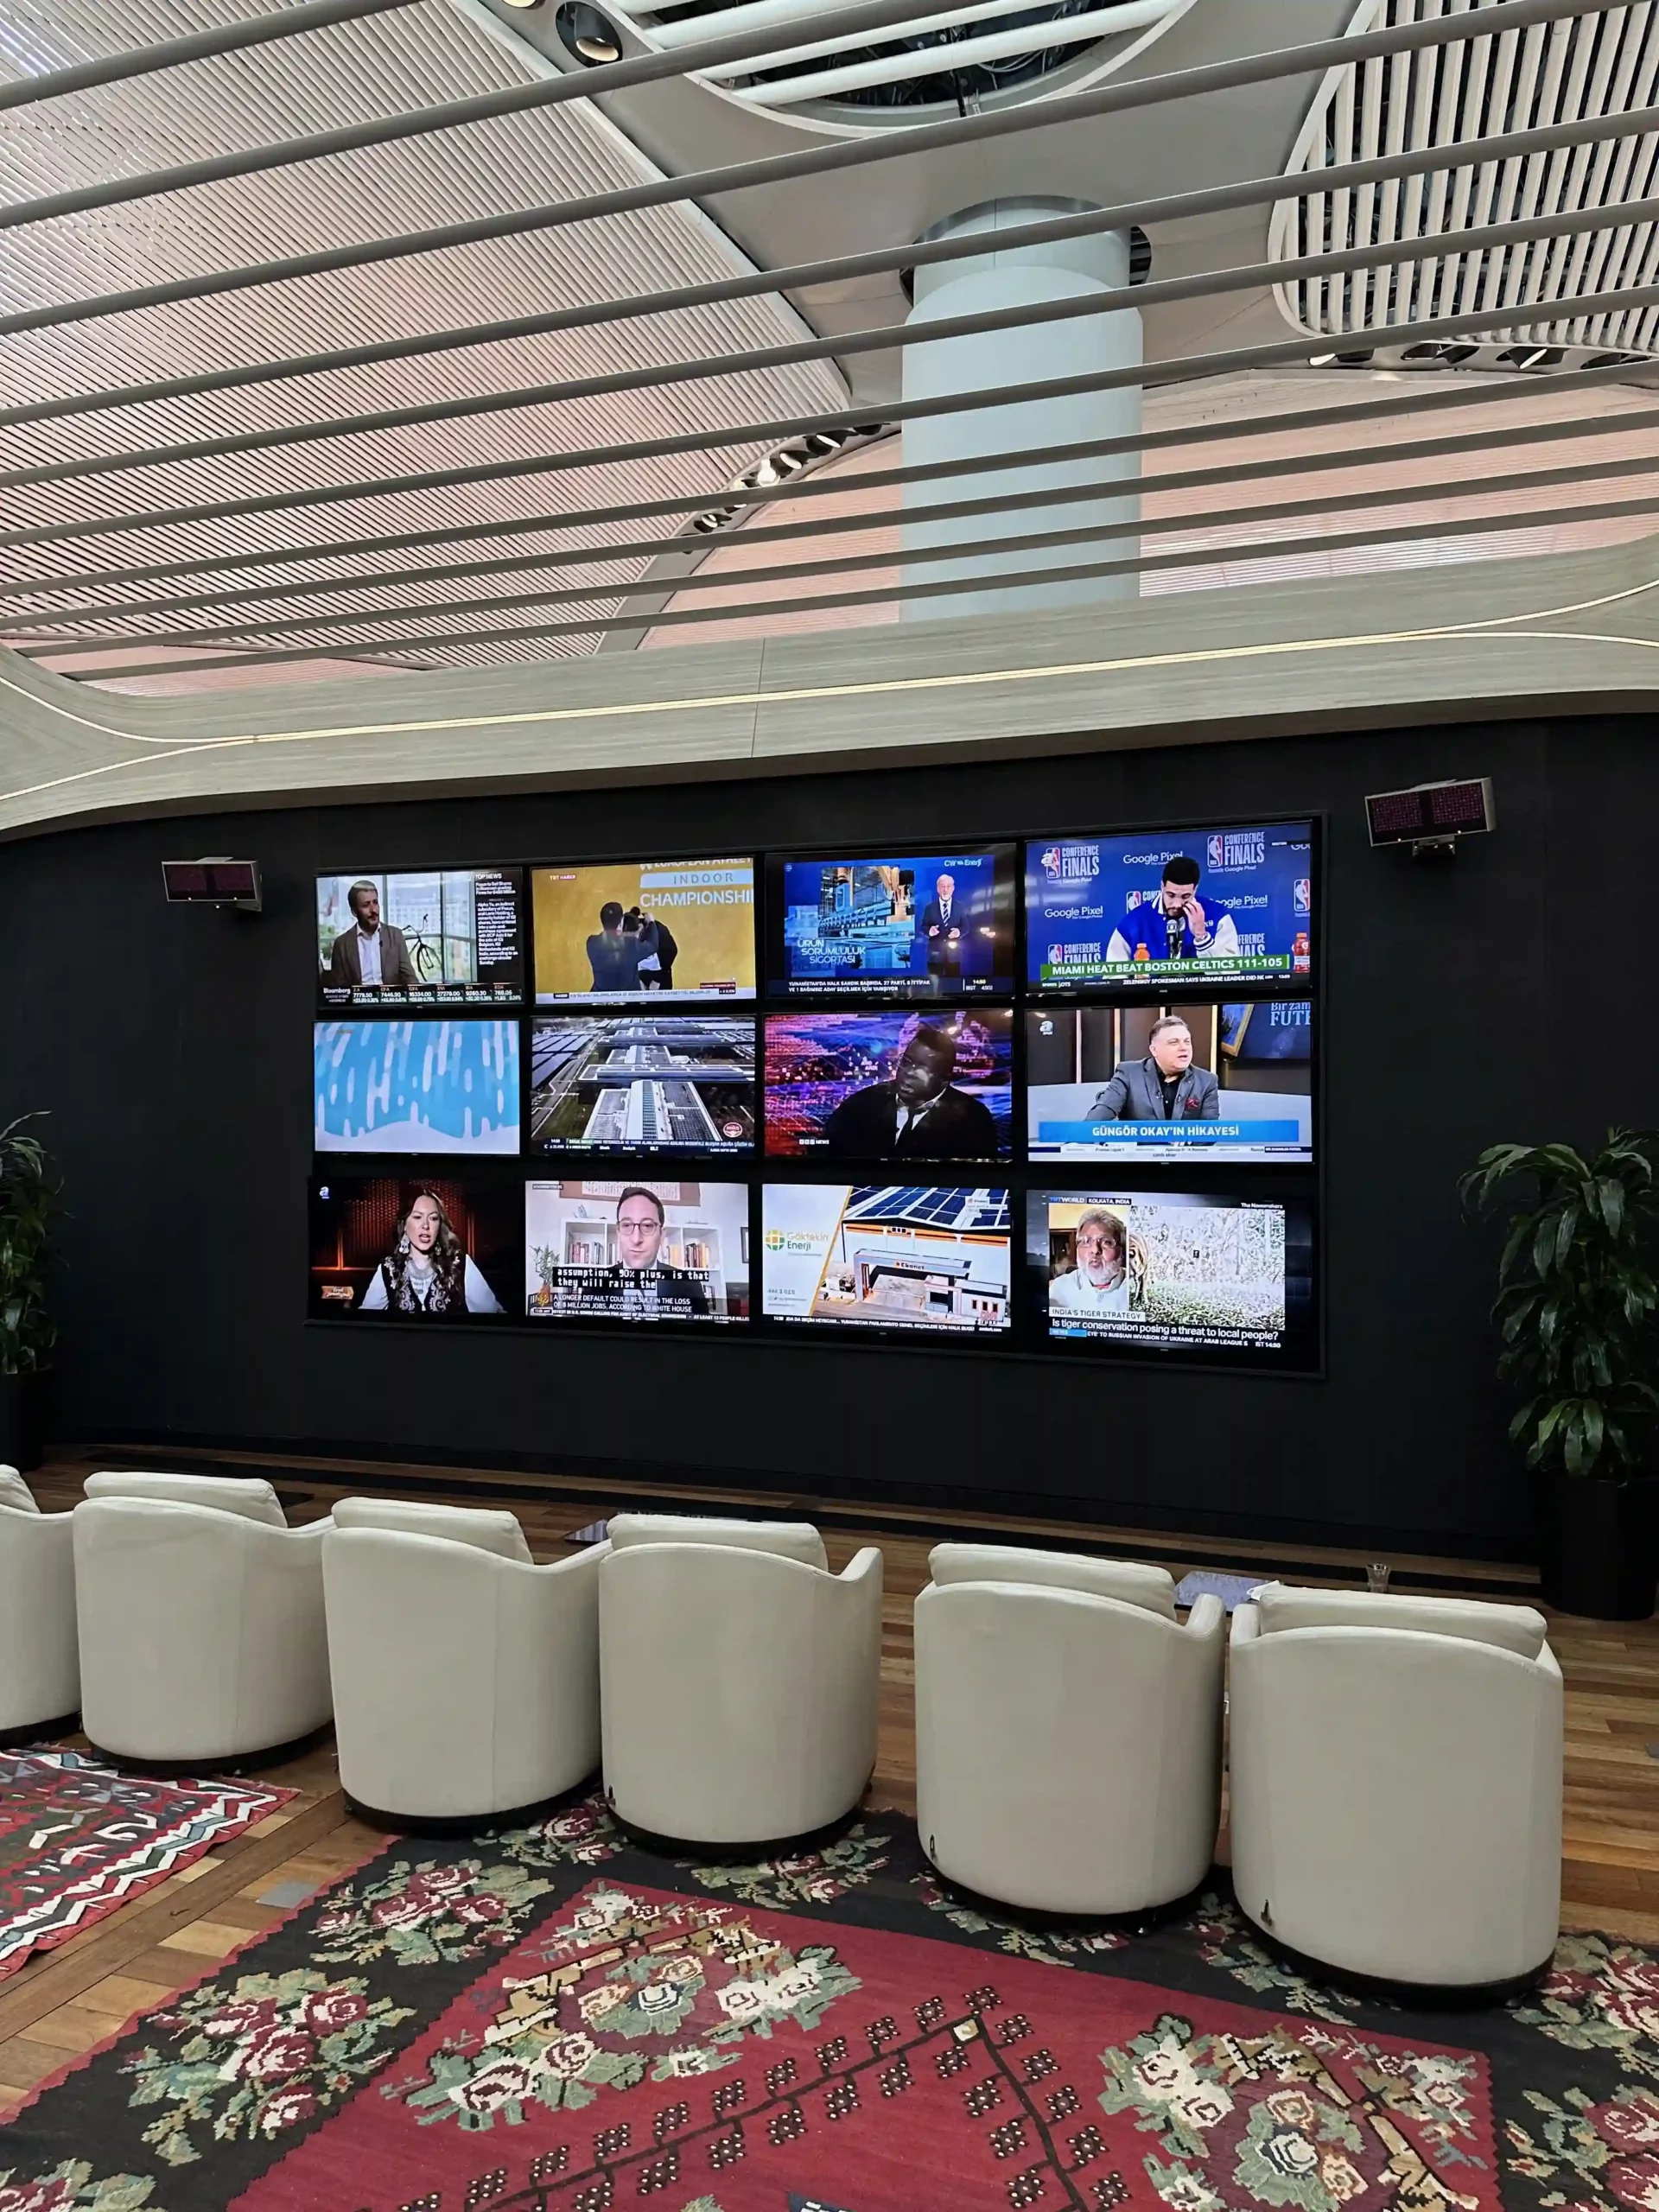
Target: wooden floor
<point>68,2000</point>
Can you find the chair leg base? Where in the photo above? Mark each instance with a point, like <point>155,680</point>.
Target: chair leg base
<point>1412,1996</point>
<point>1140,1920</point>
<point>232,1763</point>
<point>465,1824</point>
<point>740,1853</point>
<point>39,1732</point>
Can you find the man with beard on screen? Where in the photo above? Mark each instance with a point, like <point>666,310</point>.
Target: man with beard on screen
<point>1178,925</point>
<point>371,956</point>
<point>918,1114</point>
<point>1099,1282</point>
<point>638,1286</point>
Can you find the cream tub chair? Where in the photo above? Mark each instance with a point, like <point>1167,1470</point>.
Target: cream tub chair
<point>39,1666</point>
<point>1396,1784</point>
<point>200,1620</point>
<point>1068,1730</point>
<point>465,1677</point>
<point>739,1678</point>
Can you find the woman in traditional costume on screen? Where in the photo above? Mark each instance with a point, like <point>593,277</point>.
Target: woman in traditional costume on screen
<point>426,1271</point>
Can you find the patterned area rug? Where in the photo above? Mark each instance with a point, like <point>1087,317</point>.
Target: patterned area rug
<point>77,1839</point>
<point>549,2018</point>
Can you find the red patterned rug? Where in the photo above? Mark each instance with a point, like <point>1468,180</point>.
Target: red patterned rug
<point>77,1839</point>
<point>551,2020</point>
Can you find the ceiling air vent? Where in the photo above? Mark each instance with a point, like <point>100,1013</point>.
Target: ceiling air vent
<point>974,53</point>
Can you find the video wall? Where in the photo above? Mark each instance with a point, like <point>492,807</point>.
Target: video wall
<point>1054,1095</point>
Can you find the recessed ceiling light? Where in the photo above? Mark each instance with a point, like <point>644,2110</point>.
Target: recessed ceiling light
<point>591,36</point>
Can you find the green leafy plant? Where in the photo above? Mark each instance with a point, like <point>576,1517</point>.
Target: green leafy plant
<point>29,1194</point>
<point>1576,1302</point>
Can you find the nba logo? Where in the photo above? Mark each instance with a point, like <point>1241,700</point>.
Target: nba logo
<point>1052,861</point>
<point>1217,850</point>
<point>1136,898</point>
<point>1302,895</point>
<point>1057,955</point>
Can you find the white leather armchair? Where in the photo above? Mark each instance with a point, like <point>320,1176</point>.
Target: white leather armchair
<point>1396,1784</point>
<point>739,1678</point>
<point>200,1616</point>
<point>1068,1730</point>
<point>465,1677</point>
<point>40,1669</point>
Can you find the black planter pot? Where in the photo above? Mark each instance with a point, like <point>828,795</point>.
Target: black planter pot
<point>1597,1545</point>
<point>22,1419</point>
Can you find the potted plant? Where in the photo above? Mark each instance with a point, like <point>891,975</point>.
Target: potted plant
<point>1576,1310</point>
<point>28,1190</point>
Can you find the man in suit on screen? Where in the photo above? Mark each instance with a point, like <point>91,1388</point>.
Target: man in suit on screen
<point>943,926</point>
<point>371,956</point>
<point>1165,1086</point>
<point>918,1114</point>
<point>640,1285</point>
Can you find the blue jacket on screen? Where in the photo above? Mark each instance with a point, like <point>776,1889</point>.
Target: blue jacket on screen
<point>1145,925</point>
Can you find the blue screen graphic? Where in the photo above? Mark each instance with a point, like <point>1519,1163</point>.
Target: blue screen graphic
<point>932,926</point>
<point>1231,905</point>
<point>416,1086</point>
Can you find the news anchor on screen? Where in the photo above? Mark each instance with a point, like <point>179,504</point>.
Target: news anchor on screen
<point>918,1114</point>
<point>638,1283</point>
<point>943,923</point>
<point>371,956</point>
<point>1100,1281</point>
<point>427,1272</point>
<point>1165,1086</point>
<point>1176,924</point>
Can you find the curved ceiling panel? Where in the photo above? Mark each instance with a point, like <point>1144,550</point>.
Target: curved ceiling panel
<point>441,50</point>
<point>1602,64</point>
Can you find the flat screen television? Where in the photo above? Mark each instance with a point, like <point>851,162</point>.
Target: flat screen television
<point>892,925</point>
<point>1171,1082</point>
<point>910,1258</point>
<point>435,1248</point>
<point>645,1250</point>
<point>903,1086</point>
<point>618,931</point>
<point>1223,1278</point>
<point>1163,909</point>
<point>650,1081</point>
<point>421,936</point>
<point>427,1086</point>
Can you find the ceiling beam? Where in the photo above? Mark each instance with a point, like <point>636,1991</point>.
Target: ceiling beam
<point>1328,461</point>
<point>1512,145</point>
<point>1183,368</point>
<point>737,579</point>
<point>1112,99</point>
<point>1286,549</point>
<point>1436,398</point>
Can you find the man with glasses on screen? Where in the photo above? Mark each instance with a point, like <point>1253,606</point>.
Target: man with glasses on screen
<point>1100,1281</point>
<point>639,1287</point>
<point>371,956</point>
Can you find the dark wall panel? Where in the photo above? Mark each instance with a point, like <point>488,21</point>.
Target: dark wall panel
<point>1466,1004</point>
